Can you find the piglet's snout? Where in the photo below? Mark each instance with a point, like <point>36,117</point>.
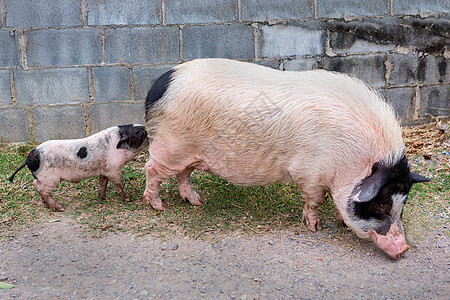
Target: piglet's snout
<point>393,243</point>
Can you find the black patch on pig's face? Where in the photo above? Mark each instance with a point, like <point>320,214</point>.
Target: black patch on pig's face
<point>386,206</point>
<point>82,152</point>
<point>131,137</point>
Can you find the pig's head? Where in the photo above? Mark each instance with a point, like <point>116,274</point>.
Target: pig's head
<point>132,137</point>
<point>376,204</point>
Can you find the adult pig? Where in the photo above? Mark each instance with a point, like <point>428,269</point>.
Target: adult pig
<point>104,154</point>
<point>324,131</point>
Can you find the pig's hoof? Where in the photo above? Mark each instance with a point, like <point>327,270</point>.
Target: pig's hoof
<point>314,227</point>
<point>195,199</point>
<point>313,224</point>
<point>158,204</point>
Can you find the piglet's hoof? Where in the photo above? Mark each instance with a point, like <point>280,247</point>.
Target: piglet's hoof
<point>58,208</point>
<point>102,194</point>
<point>126,198</point>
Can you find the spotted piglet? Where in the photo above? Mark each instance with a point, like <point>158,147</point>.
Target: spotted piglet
<point>103,154</point>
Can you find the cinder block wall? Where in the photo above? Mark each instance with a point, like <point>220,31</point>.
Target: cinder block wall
<point>69,68</point>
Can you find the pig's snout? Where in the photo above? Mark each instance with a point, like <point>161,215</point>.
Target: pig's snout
<point>393,243</point>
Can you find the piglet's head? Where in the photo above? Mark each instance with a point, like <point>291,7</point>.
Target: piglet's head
<point>376,204</point>
<point>132,137</point>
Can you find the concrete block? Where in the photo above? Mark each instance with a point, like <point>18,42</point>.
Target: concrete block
<point>58,122</point>
<point>346,42</point>
<point>274,64</point>
<point>401,99</point>
<point>14,126</point>
<point>228,41</point>
<point>64,47</point>
<point>5,88</point>
<point>369,68</point>
<point>52,86</point>
<point>119,12</point>
<point>48,13</point>
<point>351,8</point>
<point>144,77</point>
<point>435,100</point>
<point>105,115</point>
<point>415,7</point>
<point>300,64</point>
<point>266,10</point>
<point>404,69</point>
<point>9,56</point>
<point>143,44</point>
<point>200,11</point>
<point>111,83</point>
<point>433,69</point>
<point>292,39</point>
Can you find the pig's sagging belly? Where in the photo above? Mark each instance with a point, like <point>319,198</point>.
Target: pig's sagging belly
<point>244,170</point>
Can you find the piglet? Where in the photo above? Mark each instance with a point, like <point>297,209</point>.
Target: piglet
<point>103,154</point>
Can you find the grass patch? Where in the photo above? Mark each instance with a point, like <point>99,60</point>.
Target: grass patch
<point>428,207</point>
<point>226,208</point>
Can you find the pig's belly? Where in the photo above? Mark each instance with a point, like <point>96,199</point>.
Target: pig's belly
<point>245,172</point>
<point>76,175</point>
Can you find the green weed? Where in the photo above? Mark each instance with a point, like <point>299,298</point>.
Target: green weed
<point>226,207</point>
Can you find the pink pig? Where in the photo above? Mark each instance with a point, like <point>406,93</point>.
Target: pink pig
<point>103,154</point>
<point>252,125</point>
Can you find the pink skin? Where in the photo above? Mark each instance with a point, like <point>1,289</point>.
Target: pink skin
<point>393,243</point>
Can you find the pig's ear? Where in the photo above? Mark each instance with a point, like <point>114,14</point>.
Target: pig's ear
<point>415,178</point>
<point>370,186</point>
<point>124,142</point>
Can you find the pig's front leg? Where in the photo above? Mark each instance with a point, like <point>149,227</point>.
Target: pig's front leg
<point>103,180</point>
<point>185,187</point>
<point>313,197</point>
<point>45,192</point>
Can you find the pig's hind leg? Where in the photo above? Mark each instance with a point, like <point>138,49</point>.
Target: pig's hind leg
<point>185,187</point>
<point>116,179</point>
<point>45,192</point>
<point>103,181</point>
<point>155,174</point>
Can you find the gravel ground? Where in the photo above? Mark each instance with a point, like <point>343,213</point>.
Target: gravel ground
<point>58,261</point>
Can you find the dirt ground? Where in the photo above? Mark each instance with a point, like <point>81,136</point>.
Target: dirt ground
<point>58,261</point>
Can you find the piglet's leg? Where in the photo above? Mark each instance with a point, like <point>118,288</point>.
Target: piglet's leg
<point>155,174</point>
<point>45,192</point>
<point>185,187</point>
<point>103,180</point>
<point>314,197</point>
<point>116,179</point>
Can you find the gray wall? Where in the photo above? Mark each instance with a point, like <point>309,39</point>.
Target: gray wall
<point>69,68</point>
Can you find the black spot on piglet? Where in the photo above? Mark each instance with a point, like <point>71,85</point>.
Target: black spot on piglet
<point>82,153</point>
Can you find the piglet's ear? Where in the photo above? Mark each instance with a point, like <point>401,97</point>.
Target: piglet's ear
<point>415,178</point>
<point>123,143</point>
<point>370,186</point>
